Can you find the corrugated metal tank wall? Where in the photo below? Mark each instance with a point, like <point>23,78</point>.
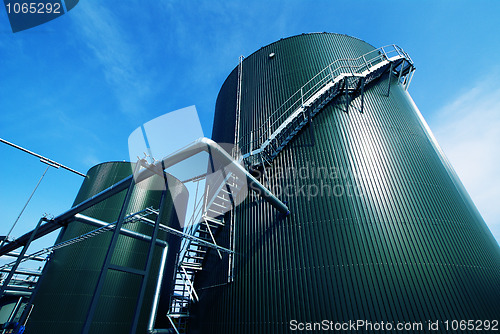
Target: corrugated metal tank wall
<point>380,227</point>
<point>68,284</point>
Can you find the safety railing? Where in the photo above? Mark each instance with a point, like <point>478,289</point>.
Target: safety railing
<point>340,67</point>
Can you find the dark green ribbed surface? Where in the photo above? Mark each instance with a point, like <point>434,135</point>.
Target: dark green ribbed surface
<point>409,246</point>
<point>71,275</point>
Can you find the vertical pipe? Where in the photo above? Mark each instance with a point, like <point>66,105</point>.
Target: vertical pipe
<point>362,94</point>
<point>251,142</point>
<point>238,107</point>
<point>156,298</point>
<point>151,251</point>
<point>346,87</point>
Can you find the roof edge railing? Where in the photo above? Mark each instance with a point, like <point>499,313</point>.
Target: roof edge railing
<point>353,66</point>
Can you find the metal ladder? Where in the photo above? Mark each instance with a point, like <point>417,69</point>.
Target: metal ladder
<point>343,78</point>
<point>193,252</point>
<point>107,265</point>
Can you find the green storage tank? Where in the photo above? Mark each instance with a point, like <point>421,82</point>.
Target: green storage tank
<point>381,229</point>
<point>70,277</point>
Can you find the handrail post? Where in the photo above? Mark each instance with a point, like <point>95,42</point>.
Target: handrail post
<point>206,198</point>
<point>397,48</point>
<point>251,141</point>
<point>383,52</point>
<point>302,96</point>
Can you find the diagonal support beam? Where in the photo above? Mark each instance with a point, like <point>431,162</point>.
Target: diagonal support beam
<point>390,77</point>
<point>190,284</point>
<point>212,237</point>
<point>19,259</point>
<point>362,94</point>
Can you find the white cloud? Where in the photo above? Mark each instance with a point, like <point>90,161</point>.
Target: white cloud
<point>120,59</point>
<point>91,160</point>
<point>468,130</point>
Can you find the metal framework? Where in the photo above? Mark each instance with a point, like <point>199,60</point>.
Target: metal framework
<point>18,261</point>
<point>200,145</point>
<point>144,273</point>
<point>193,240</point>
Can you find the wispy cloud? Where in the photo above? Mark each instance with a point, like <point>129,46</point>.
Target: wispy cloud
<point>106,36</point>
<point>468,130</point>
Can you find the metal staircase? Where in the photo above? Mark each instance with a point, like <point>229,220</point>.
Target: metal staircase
<point>207,220</point>
<point>343,78</point>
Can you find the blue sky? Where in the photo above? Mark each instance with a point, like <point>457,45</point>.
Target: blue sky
<point>75,88</point>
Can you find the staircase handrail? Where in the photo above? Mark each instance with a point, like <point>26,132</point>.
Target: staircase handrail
<point>333,71</point>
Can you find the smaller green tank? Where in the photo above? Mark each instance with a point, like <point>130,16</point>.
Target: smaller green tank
<point>71,275</point>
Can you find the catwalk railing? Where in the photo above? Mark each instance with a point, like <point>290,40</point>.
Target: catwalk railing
<point>348,76</point>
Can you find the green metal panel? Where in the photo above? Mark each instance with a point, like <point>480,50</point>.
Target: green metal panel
<point>71,275</point>
<point>380,229</point>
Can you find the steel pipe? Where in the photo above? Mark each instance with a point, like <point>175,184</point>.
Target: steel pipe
<point>200,145</point>
<point>211,147</point>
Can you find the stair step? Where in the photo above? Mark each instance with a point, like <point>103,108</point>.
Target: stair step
<point>225,191</point>
<point>191,268</point>
<point>198,251</point>
<point>202,245</point>
<point>177,315</point>
<point>194,257</point>
<point>215,211</point>
<point>223,198</point>
<point>221,205</point>
<point>213,220</point>
<point>213,226</point>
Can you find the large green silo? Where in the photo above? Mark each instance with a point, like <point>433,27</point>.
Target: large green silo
<point>70,277</point>
<point>380,230</point>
